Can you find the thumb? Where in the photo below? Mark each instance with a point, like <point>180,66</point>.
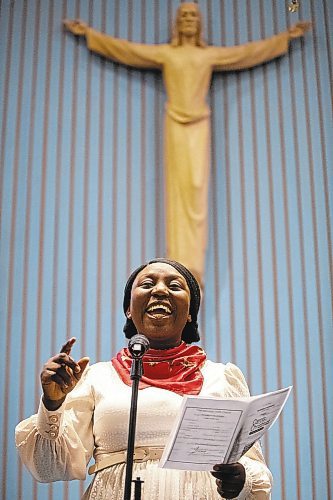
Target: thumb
<point>83,363</point>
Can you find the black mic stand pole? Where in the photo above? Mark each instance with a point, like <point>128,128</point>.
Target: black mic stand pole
<point>136,374</point>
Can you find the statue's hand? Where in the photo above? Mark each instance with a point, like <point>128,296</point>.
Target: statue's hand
<point>75,26</point>
<point>299,29</point>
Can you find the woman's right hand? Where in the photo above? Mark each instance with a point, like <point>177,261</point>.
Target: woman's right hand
<point>75,26</point>
<point>60,375</point>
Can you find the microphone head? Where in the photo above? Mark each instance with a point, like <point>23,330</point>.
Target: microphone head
<point>138,345</point>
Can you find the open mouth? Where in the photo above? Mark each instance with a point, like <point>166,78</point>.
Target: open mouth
<point>159,310</point>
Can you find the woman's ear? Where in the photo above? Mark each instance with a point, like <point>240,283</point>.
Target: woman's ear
<point>189,318</point>
<point>128,314</point>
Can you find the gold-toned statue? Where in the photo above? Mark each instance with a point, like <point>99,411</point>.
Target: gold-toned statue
<point>187,64</point>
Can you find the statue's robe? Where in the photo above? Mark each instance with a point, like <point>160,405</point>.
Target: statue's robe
<point>187,74</point>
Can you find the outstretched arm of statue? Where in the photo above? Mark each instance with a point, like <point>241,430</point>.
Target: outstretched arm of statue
<point>133,54</point>
<point>254,53</point>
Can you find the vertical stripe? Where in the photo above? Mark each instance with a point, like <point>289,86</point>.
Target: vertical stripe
<point>44,168</point>
<point>256,179</point>
<point>26,255</point>
<point>259,237</point>
<point>323,165</point>
<point>59,151</point>
<point>86,202</point>
<point>271,188</point>
<point>272,236</point>
<point>213,188</point>
<point>32,137</point>
<point>303,269</point>
<point>73,158</point>
<point>157,128</point>
<point>101,200</point>
<point>243,210</point>
<point>328,42</point>
<point>59,156</point>
<point>203,304</point>
<point>229,218</point>
<point>170,18</point>
<point>8,66</point>
<point>13,242</point>
<point>57,197</point>
<point>114,188</point>
<point>42,217</point>
<point>143,133</point>
<point>289,286</point>
<point>310,151</point>
<point>129,122</point>
<point>72,167</point>
<point>324,162</point>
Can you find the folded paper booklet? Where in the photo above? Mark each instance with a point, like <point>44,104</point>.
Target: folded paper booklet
<point>212,431</point>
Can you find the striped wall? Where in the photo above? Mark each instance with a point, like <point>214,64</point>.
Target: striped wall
<point>81,185</point>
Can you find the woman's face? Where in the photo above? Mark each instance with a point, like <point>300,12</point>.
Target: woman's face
<point>160,303</point>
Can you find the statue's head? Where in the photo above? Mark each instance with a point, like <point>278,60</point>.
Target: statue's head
<point>188,23</point>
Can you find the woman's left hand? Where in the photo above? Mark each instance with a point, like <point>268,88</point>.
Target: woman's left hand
<point>230,479</point>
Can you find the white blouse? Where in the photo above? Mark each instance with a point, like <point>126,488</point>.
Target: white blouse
<point>93,421</point>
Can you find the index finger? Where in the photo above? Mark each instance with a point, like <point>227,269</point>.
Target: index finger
<point>67,347</point>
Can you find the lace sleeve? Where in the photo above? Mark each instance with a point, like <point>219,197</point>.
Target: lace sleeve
<point>57,445</point>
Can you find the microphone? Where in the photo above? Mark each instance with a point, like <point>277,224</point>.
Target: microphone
<point>138,345</point>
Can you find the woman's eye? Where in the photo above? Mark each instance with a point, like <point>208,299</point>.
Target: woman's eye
<point>147,284</point>
<point>175,286</point>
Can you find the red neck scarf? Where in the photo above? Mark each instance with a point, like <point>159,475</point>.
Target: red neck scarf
<point>176,369</point>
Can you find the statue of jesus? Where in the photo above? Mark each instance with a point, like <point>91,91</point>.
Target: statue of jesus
<point>187,64</point>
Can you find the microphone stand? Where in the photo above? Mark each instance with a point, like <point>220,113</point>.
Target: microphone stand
<point>136,374</point>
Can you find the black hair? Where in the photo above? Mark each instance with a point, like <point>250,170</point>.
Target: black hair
<point>190,332</point>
